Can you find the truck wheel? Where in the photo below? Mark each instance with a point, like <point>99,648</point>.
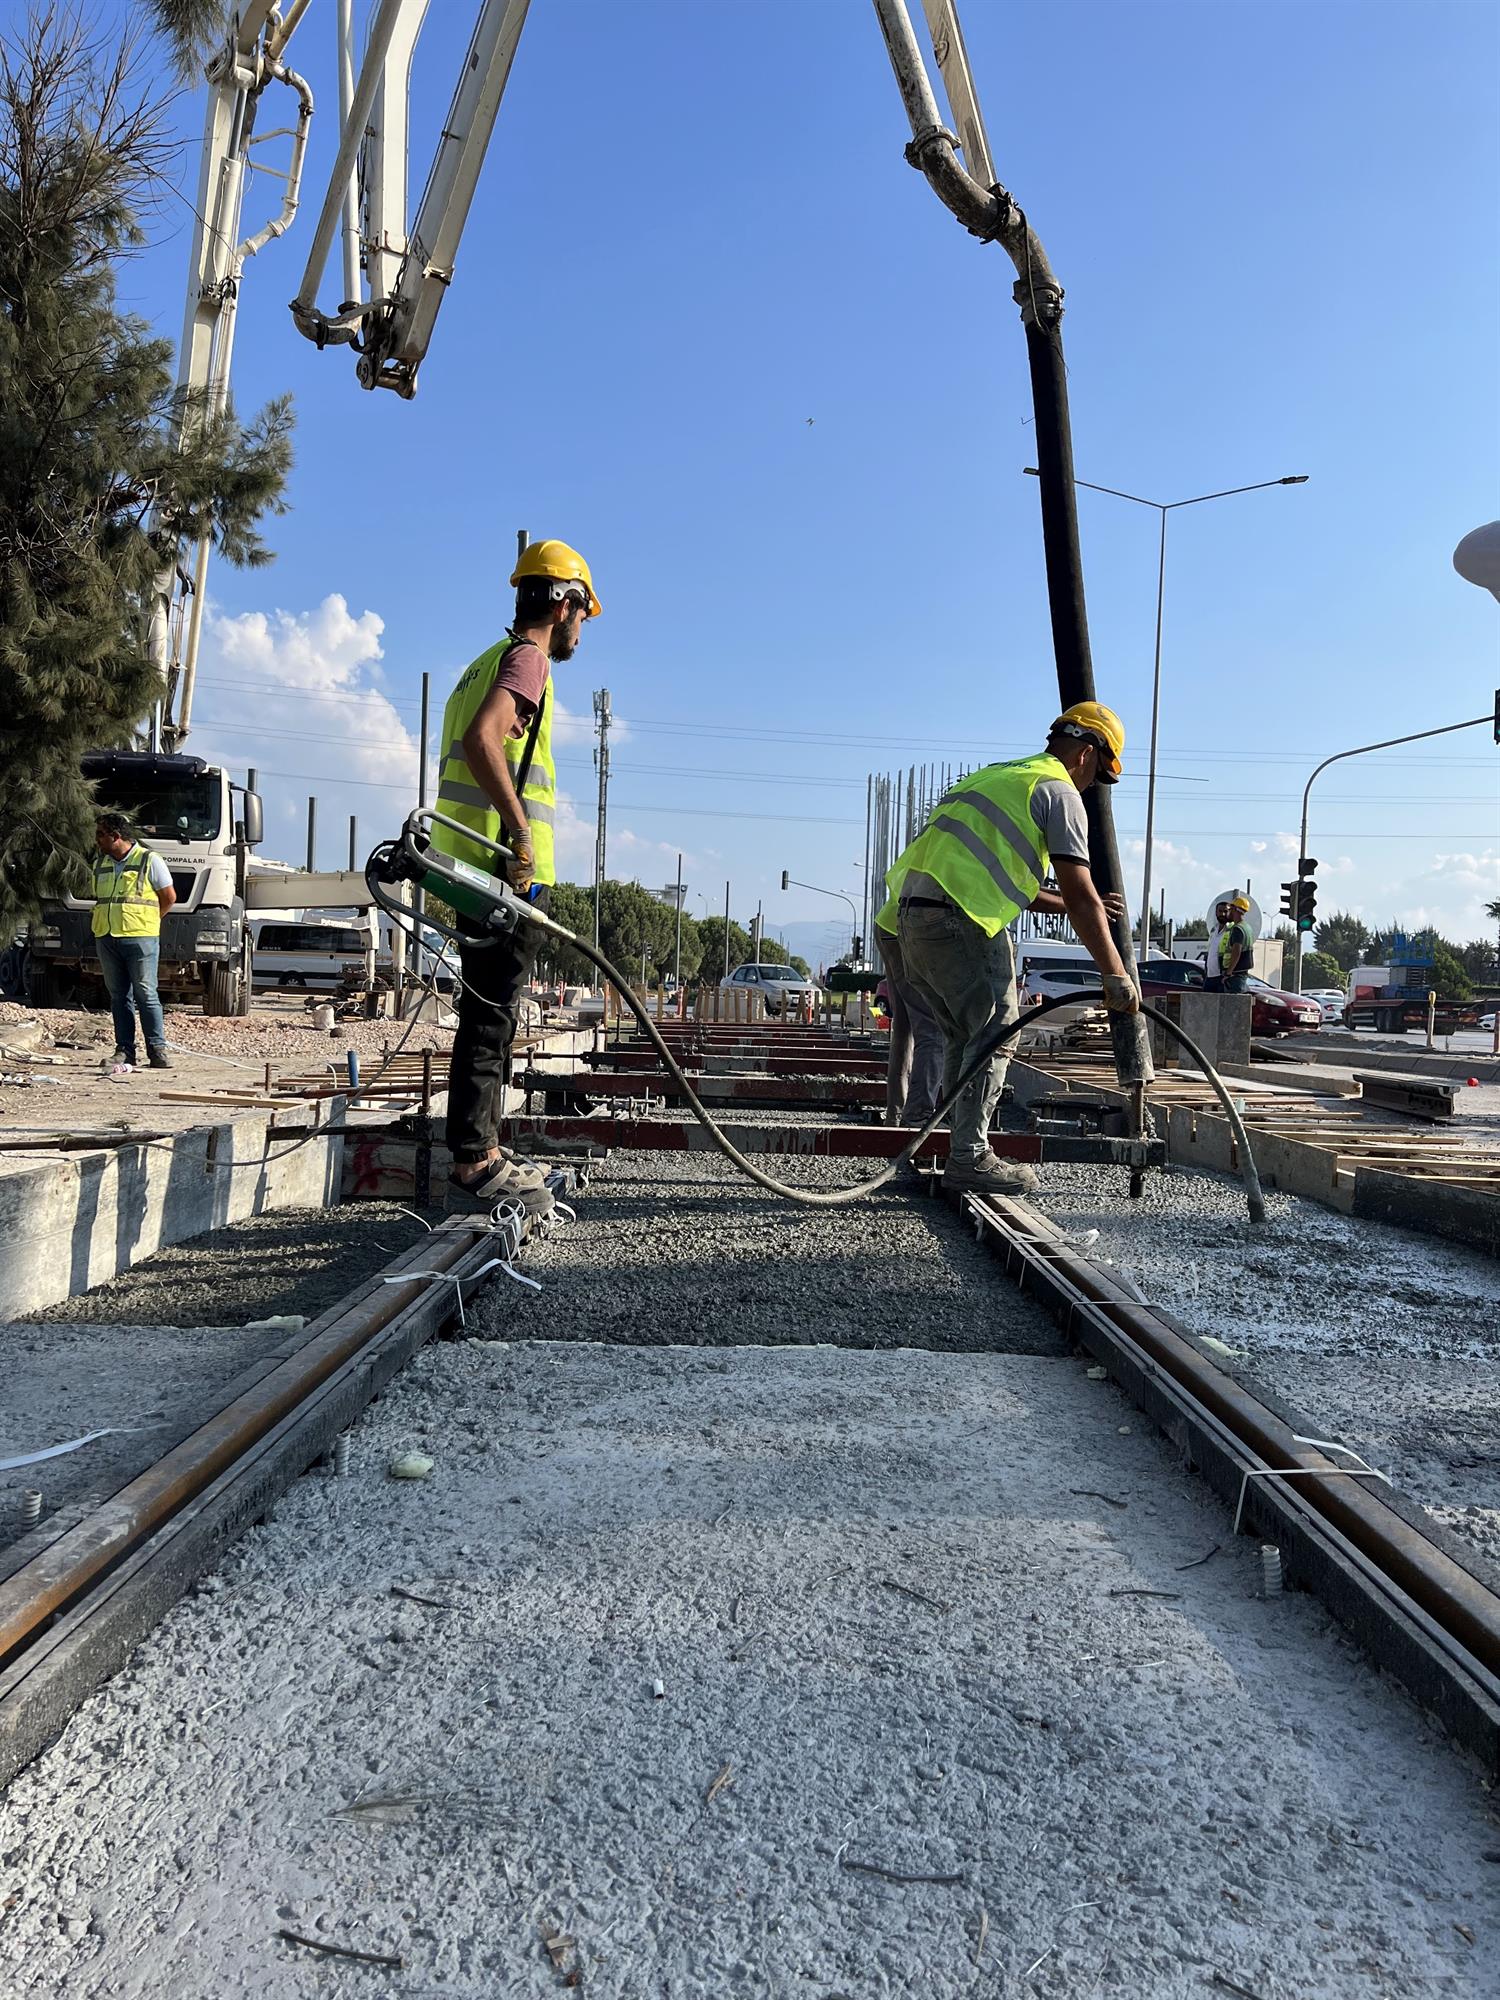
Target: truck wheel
<point>221,989</point>
<point>43,987</point>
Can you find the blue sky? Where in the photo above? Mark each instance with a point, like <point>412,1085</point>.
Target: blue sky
<point>695,230</point>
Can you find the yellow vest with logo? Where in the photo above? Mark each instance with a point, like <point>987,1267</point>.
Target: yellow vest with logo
<point>125,903</point>
<point>460,798</point>
<point>981,846</point>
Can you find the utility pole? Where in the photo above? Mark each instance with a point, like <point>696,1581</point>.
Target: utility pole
<point>601,764</point>
<point>353,842</point>
<point>312,831</point>
<point>677,947</point>
<point>869,820</point>
<point>726,930</point>
<point>419,897</point>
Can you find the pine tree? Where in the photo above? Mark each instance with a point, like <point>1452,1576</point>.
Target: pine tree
<point>94,492</point>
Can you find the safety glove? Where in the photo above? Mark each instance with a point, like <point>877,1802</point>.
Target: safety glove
<point>1120,993</point>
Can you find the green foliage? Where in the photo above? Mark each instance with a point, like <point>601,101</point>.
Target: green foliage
<point>636,929</point>
<point>1449,979</point>
<point>1195,927</point>
<point>711,937</point>
<point>1318,969</point>
<point>1342,937</point>
<point>1479,959</point>
<point>799,964</point>
<point>573,908</point>
<point>95,496</point>
<point>190,27</point>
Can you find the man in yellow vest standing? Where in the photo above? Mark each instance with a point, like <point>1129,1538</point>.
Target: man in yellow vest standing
<point>499,781</point>
<point>132,893</point>
<point>965,879</point>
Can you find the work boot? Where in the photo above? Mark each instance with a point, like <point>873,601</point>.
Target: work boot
<point>123,1058</point>
<point>503,1175</point>
<point>158,1058</point>
<point>987,1175</point>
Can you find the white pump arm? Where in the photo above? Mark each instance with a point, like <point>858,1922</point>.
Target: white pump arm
<point>402,272</point>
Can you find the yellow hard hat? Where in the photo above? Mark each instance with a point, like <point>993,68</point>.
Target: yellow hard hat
<point>557,561</point>
<point>1102,727</point>
<point>1239,902</point>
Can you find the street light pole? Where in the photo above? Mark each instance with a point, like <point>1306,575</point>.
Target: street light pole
<point>1363,750</point>
<point>854,937</point>
<point>1163,508</point>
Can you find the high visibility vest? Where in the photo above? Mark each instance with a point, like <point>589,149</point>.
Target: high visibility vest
<point>125,903</point>
<point>1232,935</point>
<point>981,846</point>
<point>460,798</point>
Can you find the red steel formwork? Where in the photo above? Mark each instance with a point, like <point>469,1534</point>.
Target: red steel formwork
<point>803,1092</point>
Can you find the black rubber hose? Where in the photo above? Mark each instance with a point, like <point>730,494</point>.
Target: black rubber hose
<point>838,1197</point>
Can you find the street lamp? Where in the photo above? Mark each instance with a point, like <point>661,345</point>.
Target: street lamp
<point>858,941</point>
<point>1165,507</point>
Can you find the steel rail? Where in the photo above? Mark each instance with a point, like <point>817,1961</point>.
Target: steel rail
<point>1442,1599</point>
<point>84,1554</point>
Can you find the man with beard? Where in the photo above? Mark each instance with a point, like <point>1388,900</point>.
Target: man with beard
<point>499,781</point>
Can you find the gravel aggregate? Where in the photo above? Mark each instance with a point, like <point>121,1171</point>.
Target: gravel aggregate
<point>941,1712</point>
<point>294,1260</point>
<point>1382,1338</point>
<point>678,1246</point>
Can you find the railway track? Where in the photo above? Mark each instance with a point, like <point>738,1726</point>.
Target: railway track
<point>650,1271</point>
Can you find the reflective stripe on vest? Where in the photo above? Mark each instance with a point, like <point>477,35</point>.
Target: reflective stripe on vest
<point>461,799</point>
<point>982,847</point>
<point>125,903</point>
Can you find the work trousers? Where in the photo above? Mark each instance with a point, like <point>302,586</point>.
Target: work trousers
<point>1227,982</point>
<point>494,976</point>
<point>129,965</point>
<point>915,1066</point>
<point>969,981</point>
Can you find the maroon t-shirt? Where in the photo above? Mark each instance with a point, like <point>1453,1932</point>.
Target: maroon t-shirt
<point>523,672</point>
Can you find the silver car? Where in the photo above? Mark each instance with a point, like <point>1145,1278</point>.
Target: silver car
<point>778,985</point>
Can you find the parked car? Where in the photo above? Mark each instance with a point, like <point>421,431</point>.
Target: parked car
<point>1278,1013</point>
<point>1330,1000</point>
<point>1053,978</point>
<point>778,985</point>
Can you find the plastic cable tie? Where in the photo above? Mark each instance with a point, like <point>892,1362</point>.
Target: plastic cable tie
<point>415,1217</point>
<point>562,1208</point>
<point>73,1444</point>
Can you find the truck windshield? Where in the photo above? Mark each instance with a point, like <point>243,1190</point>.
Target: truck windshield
<point>164,809</point>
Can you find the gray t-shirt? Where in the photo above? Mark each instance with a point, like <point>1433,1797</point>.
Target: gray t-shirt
<point>1057,808</point>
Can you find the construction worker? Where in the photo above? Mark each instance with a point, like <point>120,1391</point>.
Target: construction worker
<point>132,893</point>
<point>966,878</point>
<point>498,780</point>
<point>914,1065</point>
<point>1231,950</point>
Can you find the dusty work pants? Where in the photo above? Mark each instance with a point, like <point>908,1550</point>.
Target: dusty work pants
<point>969,981</point>
<point>493,976</point>
<point>129,965</point>
<point>915,1067</point>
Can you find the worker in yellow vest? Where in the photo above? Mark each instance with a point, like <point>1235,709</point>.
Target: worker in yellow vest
<point>132,893</point>
<point>498,780</point>
<point>962,883</point>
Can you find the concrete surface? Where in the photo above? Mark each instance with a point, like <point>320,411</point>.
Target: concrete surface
<point>943,1712</point>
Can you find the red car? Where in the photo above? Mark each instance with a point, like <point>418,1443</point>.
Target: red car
<point>1272,1012</point>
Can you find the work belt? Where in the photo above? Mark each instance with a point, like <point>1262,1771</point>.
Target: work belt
<point>928,903</point>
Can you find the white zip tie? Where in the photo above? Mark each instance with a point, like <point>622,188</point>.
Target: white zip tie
<point>73,1444</point>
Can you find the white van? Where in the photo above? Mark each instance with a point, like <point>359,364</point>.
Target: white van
<point>319,954</point>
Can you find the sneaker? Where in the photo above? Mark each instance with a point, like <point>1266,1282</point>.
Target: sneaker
<point>505,1175</point>
<point>158,1059</point>
<point>987,1175</point>
<point>125,1056</point>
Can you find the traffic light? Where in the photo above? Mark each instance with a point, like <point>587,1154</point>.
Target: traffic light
<point>786,878</point>
<point>1307,894</point>
<point>859,949</point>
<point>1289,895</point>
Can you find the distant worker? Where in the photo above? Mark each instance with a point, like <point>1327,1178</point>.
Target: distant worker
<point>499,780</point>
<point>132,893</point>
<point>965,879</point>
<point>914,1065</point>
<point>1231,949</point>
